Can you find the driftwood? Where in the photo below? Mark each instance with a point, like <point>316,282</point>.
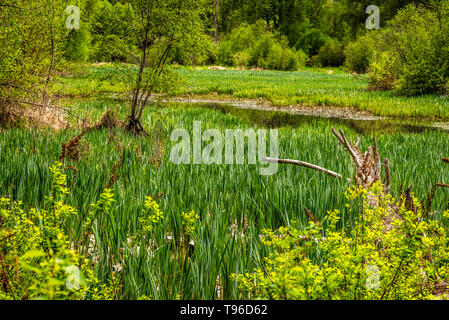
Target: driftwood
<point>368,164</point>
<point>368,171</point>
<point>305,164</point>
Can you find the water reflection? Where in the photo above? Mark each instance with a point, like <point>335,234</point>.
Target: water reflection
<point>277,119</point>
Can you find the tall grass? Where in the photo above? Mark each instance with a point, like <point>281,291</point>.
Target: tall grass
<point>307,87</point>
<point>312,87</point>
<point>225,197</point>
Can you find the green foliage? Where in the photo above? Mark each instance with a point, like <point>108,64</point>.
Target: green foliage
<point>306,24</point>
<point>383,255</point>
<point>31,42</point>
<point>384,71</point>
<point>331,54</point>
<point>77,45</point>
<point>241,58</point>
<point>193,52</point>
<point>358,54</point>
<point>189,221</point>
<point>77,42</point>
<point>152,214</point>
<point>255,46</point>
<point>158,25</point>
<point>91,80</point>
<point>111,27</point>
<point>281,57</point>
<point>414,58</point>
<point>37,258</point>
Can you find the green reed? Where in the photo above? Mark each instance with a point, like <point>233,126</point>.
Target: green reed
<point>234,202</point>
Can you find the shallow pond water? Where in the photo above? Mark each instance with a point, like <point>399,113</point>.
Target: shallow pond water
<point>277,119</point>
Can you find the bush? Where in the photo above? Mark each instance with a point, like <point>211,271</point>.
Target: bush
<point>77,44</point>
<point>255,46</point>
<point>422,78</point>
<point>386,255</point>
<point>110,27</point>
<point>37,259</point>
<point>310,38</point>
<point>315,62</point>
<point>331,54</point>
<point>358,54</point>
<point>417,41</point>
<point>281,57</point>
<point>193,53</point>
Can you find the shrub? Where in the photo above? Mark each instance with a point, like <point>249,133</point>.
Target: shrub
<point>37,259</point>
<point>358,54</point>
<point>417,41</point>
<point>310,38</point>
<point>331,54</point>
<point>192,53</point>
<point>384,71</point>
<point>315,62</point>
<point>241,58</point>
<point>385,255</point>
<point>110,27</point>
<point>77,44</point>
<point>281,57</point>
<point>422,78</point>
<point>253,45</point>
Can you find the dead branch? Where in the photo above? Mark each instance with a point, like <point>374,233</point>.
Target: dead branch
<point>305,164</point>
<point>342,138</point>
<point>387,187</point>
<point>368,164</point>
<point>442,185</point>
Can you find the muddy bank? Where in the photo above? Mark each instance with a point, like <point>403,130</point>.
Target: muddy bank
<point>262,113</point>
<point>259,104</point>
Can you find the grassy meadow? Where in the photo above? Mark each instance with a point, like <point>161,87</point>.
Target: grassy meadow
<point>313,87</point>
<point>309,87</point>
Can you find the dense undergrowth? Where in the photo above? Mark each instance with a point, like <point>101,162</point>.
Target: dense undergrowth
<point>384,255</point>
<point>387,251</point>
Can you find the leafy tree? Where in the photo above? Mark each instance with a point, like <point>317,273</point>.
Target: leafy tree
<point>31,39</point>
<point>254,45</point>
<point>414,57</point>
<point>157,26</point>
<point>355,15</point>
<point>331,54</point>
<point>111,29</point>
<point>358,54</point>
